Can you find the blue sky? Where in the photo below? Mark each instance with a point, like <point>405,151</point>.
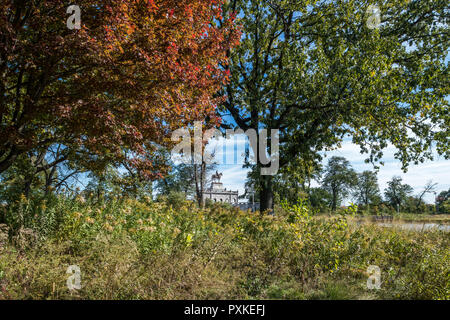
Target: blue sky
<point>417,176</point>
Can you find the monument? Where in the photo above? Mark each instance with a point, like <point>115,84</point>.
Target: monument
<point>217,193</point>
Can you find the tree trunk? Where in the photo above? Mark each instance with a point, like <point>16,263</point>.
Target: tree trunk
<point>49,180</point>
<point>334,201</point>
<point>199,178</point>
<point>266,194</point>
<point>27,187</point>
<point>7,162</point>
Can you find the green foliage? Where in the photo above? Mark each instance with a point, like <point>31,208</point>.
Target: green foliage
<point>339,179</point>
<point>397,193</point>
<point>443,202</point>
<point>319,199</point>
<point>351,210</point>
<point>21,179</point>
<point>367,190</point>
<point>294,179</point>
<point>176,199</point>
<point>314,70</point>
<point>129,249</point>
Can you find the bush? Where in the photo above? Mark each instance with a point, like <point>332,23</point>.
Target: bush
<point>176,199</point>
<point>171,249</point>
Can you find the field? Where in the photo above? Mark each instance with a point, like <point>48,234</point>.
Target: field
<point>129,249</point>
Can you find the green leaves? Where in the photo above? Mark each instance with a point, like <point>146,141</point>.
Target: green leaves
<point>367,190</point>
<point>339,179</point>
<point>396,193</point>
<point>316,71</point>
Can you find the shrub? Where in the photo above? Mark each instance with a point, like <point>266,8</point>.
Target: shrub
<point>129,249</point>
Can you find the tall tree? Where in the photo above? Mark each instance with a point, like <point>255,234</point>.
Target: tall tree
<point>292,182</point>
<point>317,72</point>
<point>179,179</point>
<point>367,190</point>
<point>294,179</point>
<point>397,193</point>
<point>339,179</point>
<point>134,71</point>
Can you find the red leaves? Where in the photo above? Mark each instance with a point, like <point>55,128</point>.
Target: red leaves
<point>137,73</point>
<point>152,6</point>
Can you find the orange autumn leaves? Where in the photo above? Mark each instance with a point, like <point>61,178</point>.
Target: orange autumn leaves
<point>136,70</point>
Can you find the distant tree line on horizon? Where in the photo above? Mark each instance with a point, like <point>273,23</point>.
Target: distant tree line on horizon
<point>339,182</point>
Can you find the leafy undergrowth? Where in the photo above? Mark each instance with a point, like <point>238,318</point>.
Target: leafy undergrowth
<point>129,249</point>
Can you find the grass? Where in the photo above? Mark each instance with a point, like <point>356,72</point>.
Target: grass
<point>128,249</point>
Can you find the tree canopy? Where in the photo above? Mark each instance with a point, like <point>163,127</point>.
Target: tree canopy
<point>317,72</point>
<point>396,192</point>
<point>367,190</point>
<point>135,71</point>
<point>339,179</point>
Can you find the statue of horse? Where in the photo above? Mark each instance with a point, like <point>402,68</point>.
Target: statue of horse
<point>217,176</point>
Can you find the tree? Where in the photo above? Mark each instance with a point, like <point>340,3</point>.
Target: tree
<point>102,184</point>
<point>413,204</point>
<point>367,190</point>
<point>292,182</point>
<point>320,198</point>
<point>189,179</point>
<point>37,173</point>
<point>179,179</point>
<point>316,72</point>
<point>339,179</point>
<point>443,202</point>
<point>430,187</point>
<point>397,193</point>
<point>135,71</point>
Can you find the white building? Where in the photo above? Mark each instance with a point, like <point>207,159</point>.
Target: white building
<point>217,193</point>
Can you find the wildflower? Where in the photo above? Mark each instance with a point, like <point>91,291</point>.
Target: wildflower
<point>89,220</point>
<point>189,239</point>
